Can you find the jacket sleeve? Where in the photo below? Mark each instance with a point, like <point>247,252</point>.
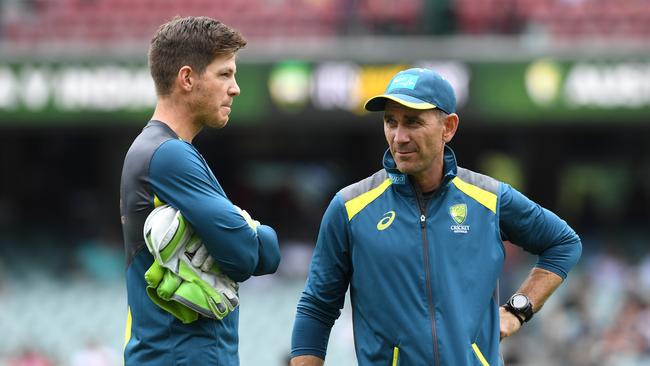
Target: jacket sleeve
<point>180,177</point>
<point>538,231</point>
<point>329,276</point>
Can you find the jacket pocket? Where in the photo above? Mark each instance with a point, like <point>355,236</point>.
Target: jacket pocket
<point>395,356</point>
<point>479,355</point>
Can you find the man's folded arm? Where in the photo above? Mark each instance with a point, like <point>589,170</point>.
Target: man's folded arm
<point>179,178</point>
<point>269,251</point>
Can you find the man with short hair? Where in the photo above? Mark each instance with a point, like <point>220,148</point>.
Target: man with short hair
<point>192,62</point>
<point>420,245</point>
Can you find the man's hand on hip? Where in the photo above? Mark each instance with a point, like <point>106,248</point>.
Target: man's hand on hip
<point>509,323</point>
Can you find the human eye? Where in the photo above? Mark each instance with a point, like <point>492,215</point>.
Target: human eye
<point>389,121</point>
<point>414,122</point>
<point>226,73</point>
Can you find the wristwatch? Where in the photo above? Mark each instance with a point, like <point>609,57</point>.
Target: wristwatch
<point>520,306</point>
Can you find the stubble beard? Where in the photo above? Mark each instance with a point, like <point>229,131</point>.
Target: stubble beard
<point>210,117</point>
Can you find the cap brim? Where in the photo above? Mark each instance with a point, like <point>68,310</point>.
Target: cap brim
<point>377,103</point>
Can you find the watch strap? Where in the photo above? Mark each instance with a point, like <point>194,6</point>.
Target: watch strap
<point>514,312</point>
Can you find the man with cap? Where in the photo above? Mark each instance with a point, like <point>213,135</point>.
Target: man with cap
<point>420,245</point>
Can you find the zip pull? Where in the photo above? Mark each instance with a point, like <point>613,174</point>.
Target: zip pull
<point>423,220</point>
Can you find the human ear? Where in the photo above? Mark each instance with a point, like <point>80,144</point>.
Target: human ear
<point>450,124</point>
<point>185,78</point>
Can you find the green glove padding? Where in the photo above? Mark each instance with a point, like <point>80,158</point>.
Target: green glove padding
<point>185,298</point>
<point>183,280</point>
<point>159,292</point>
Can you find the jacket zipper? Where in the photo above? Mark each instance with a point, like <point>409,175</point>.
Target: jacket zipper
<point>425,249</point>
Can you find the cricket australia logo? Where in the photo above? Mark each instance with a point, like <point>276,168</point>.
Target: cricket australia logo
<point>458,213</point>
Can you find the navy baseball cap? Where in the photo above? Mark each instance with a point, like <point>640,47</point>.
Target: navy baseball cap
<point>418,89</point>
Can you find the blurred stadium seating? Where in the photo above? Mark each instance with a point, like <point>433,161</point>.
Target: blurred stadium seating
<point>124,20</point>
<point>559,18</point>
<point>100,21</point>
<point>601,316</point>
<point>554,99</point>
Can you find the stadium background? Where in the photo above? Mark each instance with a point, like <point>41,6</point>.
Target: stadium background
<point>554,98</point>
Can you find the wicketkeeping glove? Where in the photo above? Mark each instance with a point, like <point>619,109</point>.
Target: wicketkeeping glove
<point>184,280</point>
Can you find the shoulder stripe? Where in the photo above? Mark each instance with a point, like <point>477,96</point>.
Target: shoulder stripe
<point>355,205</point>
<point>487,199</point>
<point>482,181</point>
<point>364,185</point>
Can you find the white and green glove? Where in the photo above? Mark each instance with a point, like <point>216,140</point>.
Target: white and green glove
<point>184,280</point>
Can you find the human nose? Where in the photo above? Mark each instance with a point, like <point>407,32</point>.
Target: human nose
<point>401,135</point>
<point>234,89</point>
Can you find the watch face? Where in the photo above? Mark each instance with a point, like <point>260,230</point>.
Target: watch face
<point>519,301</point>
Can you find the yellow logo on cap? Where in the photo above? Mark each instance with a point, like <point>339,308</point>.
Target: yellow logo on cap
<point>386,220</point>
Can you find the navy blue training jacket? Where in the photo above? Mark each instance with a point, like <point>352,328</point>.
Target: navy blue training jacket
<point>160,166</point>
<point>423,277</point>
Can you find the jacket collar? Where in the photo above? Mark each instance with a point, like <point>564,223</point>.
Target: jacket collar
<point>155,122</point>
<point>402,182</point>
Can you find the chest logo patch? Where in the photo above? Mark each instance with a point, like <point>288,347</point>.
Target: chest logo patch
<point>386,220</point>
<point>458,213</point>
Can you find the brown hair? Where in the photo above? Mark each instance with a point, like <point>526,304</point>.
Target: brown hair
<point>191,41</point>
